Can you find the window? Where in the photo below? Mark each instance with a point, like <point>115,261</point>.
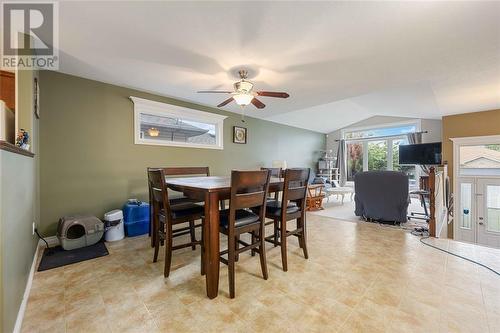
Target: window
<point>493,207</point>
<point>480,160</point>
<point>168,125</point>
<point>465,205</point>
<point>382,131</point>
<point>378,149</point>
<point>377,155</point>
<point>354,159</point>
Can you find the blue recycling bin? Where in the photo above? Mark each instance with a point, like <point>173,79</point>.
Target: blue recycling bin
<point>136,218</point>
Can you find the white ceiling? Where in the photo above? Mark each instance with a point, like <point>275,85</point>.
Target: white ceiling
<point>341,62</point>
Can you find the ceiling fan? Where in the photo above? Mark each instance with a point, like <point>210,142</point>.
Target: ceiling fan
<point>243,93</point>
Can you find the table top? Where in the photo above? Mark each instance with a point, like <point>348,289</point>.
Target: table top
<point>211,183</point>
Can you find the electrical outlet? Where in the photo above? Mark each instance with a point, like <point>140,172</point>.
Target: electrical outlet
<point>33,230</point>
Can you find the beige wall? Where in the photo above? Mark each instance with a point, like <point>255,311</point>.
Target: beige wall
<point>465,125</point>
<point>19,208</point>
<point>90,164</point>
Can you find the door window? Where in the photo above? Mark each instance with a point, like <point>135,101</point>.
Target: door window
<point>465,212</point>
<point>493,208</point>
<point>354,159</point>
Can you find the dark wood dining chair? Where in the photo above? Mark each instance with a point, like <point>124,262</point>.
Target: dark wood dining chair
<point>291,207</point>
<point>176,199</point>
<point>273,172</point>
<point>248,191</point>
<point>166,215</point>
<point>181,199</point>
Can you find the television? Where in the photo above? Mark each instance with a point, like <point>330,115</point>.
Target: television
<point>420,154</point>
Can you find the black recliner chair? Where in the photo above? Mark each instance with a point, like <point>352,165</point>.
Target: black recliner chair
<point>382,196</point>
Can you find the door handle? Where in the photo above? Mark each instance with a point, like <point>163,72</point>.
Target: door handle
<point>480,220</point>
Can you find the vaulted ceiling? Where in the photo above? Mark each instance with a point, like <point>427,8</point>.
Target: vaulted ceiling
<point>341,62</point>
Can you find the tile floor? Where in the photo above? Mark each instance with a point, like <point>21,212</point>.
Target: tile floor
<point>360,278</point>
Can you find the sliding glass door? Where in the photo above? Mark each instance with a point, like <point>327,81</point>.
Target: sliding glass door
<point>377,155</point>
<point>377,149</point>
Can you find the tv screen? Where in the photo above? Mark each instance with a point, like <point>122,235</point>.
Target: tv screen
<point>423,153</point>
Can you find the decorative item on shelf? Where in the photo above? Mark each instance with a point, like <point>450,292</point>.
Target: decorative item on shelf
<point>326,166</point>
<point>23,139</point>
<point>239,135</point>
<point>36,99</point>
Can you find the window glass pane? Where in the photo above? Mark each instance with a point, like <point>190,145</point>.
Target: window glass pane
<point>354,159</point>
<point>377,155</point>
<point>493,207</point>
<point>172,129</point>
<point>410,170</point>
<point>480,160</point>
<point>384,131</point>
<point>465,205</point>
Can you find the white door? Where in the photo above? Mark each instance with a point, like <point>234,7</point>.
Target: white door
<point>488,211</point>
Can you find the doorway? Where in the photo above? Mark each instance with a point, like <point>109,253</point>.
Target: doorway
<point>477,190</point>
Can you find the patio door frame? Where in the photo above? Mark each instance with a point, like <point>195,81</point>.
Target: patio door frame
<point>389,139</point>
<point>475,180</point>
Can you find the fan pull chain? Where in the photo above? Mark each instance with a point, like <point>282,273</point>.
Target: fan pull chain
<point>242,114</point>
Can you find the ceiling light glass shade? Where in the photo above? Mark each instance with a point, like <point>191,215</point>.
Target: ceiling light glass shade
<point>243,99</point>
<point>153,132</point>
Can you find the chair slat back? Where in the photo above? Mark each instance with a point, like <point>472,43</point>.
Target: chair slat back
<point>295,187</point>
<point>275,172</point>
<point>157,189</point>
<point>248,190</point>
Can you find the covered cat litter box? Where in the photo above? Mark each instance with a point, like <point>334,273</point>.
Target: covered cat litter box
<point>136,217</point>
<point>78,231</point>
<point>113,223</point>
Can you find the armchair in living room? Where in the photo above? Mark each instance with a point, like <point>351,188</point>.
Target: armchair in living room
<point>382,195</point>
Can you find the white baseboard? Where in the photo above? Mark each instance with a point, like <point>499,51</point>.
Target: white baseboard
<point>52,240</point>
<point>22,308</point>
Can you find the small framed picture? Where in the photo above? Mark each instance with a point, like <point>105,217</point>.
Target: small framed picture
<point>239,135</point>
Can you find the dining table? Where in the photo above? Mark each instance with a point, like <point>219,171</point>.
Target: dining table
<point>211,190</point>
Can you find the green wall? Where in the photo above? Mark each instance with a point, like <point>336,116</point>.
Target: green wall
<point>19,208</point>
<point>90,164</point>
<point>18,245</point>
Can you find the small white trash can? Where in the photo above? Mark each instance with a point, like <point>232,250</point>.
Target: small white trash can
<point>113,222</point>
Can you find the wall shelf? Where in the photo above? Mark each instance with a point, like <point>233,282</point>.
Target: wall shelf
<point>7,146</point>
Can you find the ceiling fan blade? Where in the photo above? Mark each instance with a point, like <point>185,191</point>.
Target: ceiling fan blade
<point>258,104</point>
<point>214,91</point>
<point>227,101</point>
<point>273,94</point>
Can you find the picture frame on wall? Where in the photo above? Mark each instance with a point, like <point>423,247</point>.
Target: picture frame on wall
<point>36,99</point>
<point>239,135</point>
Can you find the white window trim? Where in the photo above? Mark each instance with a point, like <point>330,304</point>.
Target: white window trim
<point>142,105</point>
<point>416,122</point>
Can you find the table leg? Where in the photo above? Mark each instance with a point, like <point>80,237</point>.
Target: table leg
<point>211,241</point>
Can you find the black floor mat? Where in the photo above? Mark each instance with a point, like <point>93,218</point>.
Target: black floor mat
<point>57,256</point>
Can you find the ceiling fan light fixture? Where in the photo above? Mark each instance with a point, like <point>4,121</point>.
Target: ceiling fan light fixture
<point>242,99</point>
